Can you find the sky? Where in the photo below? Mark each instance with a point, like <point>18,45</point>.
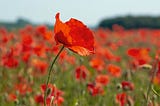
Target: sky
<point>90,12</point>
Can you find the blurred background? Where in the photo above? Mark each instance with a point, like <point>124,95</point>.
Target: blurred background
<point>103,13</point>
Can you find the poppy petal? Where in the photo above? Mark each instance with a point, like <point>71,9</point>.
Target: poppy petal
<point>81,35</point>
<point>61,31</point>
<point>74,35</point>
<point>80,50</point>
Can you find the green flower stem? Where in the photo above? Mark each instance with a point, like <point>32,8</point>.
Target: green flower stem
<point>155,92</point>
<point>49,73</point>
<point>154,70</point>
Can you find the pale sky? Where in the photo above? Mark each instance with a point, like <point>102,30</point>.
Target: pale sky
<point>89,12</point>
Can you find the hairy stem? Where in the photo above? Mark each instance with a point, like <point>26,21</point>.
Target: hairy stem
<point>49,73</point>
<point>154,70</point>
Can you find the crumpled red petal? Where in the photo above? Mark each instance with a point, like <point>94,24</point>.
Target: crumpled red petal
<point>74,35</point>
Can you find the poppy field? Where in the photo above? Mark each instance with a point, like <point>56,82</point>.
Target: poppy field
<point>72,65</point>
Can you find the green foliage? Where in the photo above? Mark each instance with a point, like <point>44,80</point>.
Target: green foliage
<point>130,22</point>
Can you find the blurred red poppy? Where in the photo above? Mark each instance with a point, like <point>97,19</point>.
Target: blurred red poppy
<point>23,88</point>
<point>102,79</point>
<point>141,55</point>
<point>95,89</point>
<point>97,64</point>
<point>40,65</point>
<point>121,99</point>
<point>81,73</point>
<point>26,56</point>
<point>12,97</point>
<point>126,85</point>
<point>54,97</point>
<point>114,70</point>
<point>39,99</point>
<point>74,35</point>
<point>9,59</point>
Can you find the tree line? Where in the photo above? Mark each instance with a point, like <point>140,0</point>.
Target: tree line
<point>130,22</point>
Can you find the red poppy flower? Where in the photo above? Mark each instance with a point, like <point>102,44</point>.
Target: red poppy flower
<point>59,101</point>
<point>40,65</point>
<point>40,50</point>
<point>127,85</point>
<point>41,30</point>
<point>157,55</point>
<point>141,55</point>
<point>121,99</point>
<point>97,63</point>
<point>102,79</point>
<point>110,56</point>
<point>5,39</point>
<point>95,89</point>
<point>54,93</point>
<point>9,62</point>
<point>74,35</point>
<point>114,70</point>
<point>12,97</point>
<point>81,73</point>
<point>26,56</point>
<point>27,39</point>
<point>134,52</point>
<point>9,59</point>
<point>23,88</point>
<point>39,99</point>
<point>48,36</point>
